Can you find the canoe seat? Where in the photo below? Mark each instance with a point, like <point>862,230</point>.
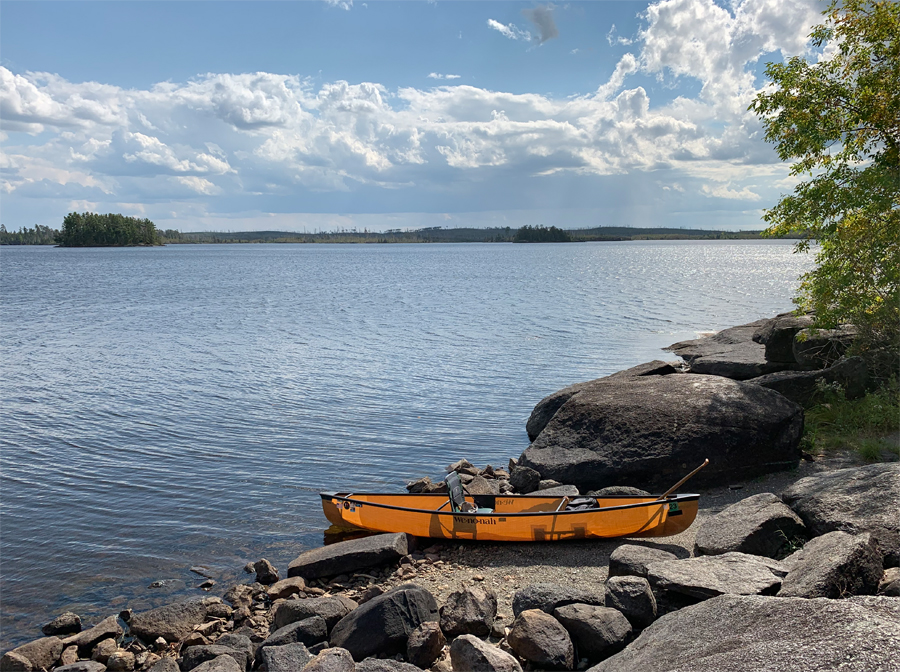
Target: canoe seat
<point>458,503</point>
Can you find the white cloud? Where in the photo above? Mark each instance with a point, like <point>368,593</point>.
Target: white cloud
<point>341,4</point>
<point>510,31</point>
<point>252,135</point>
<point>612,38</point>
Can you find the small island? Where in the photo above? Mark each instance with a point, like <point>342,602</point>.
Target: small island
<point>91,229</point>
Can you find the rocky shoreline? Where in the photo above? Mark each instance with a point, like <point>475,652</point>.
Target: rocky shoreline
<point>790,563</point>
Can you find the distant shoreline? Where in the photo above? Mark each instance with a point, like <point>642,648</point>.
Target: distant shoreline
<point>441,235</point>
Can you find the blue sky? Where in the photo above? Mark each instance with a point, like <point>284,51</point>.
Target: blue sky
<point>323,115</point>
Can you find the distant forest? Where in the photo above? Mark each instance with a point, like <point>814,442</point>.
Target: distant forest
<point>90,229</point>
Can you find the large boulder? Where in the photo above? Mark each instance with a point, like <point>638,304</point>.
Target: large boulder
<point>195,656</point>
<point>717,343</point>
<point>86,639</point>
<point>346,557</point>
<point>468,653</point>
<point>549,596</point>
<point>633,560</point>
<point>855,500</point>
<point>309,631</point>
<point>548,406</point>
<point>40,653</point>
<point>383,624</point>
<point>821,348</point>
<point>648,431</point>
<point>768,634</point>
<point>632,596</point>
<point>287,658</point>
<point>335,659</point>
<point>64,624</point>
<point>801,386</point>
<point>711,575</point>
<point>834,565</point>
<point>332,609</point>
<point>777,336</point>
<point>542,640</point>
<point>172,622</point>
<point>598,632</point>
<point>469,612</point>
<point>758,525</point>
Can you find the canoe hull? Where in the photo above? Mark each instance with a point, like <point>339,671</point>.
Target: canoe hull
<point>514,518</point>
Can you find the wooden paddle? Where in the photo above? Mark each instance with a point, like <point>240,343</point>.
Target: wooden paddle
<point>683,481</point>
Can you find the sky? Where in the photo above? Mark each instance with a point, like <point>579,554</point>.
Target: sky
<point>340,114</point>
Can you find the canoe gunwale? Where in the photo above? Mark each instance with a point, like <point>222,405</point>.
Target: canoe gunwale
<point>439,512</point>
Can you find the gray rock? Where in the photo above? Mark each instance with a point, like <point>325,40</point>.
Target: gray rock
<point>801,386</point>
<point>889,585</point>
<point>332,609</point>
<point>238,642</point>
<point>165,664</point>
<point>860,499</point>
<point>219,664</point>
<point>287,658</point>
<point>633,560</point>
<point>480,485</point>
<point>286,587</point>
<point>266,573</point>
<point>346,557</point>
<point>821,348</point>
<point>386,665</point>
<point>468,653</point>
<point>651,430</point>
<point>834,565</point>
<point>240,595</point>
<point>542,640</point>
<point>549,405</point>
<point>469,612</point>
<point>560,491</point>
<point>120,661</point>
<point>718,343</point>
<point>549,596</point>
<point>598,632</point>
<point>739,362</point>
<point>14,662</point>
<point>103,650</point>
<point>768,634</point>
<point>711,575</point>
<point>335,659</point>
<point>383,624</point>
<point>425,644</point>
<point>194,656</point>
<point>619,490</point>
<point>64,624</point>
<point>86,639</point>
<point>93,666</point>
<point>778,336</point>
<point>174,622</point>
<point>632,596</point>
<point>309,631</point>
<point>42,652</point>
<point>758,525</point>
<point>548,483</point>
<point>524,479</point>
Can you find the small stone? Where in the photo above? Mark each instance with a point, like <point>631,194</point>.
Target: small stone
<point>206,585</point>
<point>890,583</point>
<point>249,568</point>
<point>331,660</point>
<point>219,610</point>
<point>103,650</point>
<point>266,573</point>
<point>64,624</point>
<point>69,655</point>
<point>478,577</point>
<point>120,661</point>
<point>425,644</point>
<point>161,643</point>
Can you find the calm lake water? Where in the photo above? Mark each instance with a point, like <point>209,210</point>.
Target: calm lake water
<point>181,406</point>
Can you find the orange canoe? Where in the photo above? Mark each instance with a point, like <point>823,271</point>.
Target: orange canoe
<point>513,517</point>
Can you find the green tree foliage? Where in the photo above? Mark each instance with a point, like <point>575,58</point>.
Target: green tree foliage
<point>839,120</point>
<point>540,234</point>
<point>94,230</point>
<point>39,235</point>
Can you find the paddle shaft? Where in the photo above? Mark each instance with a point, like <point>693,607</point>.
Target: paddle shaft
<point>683,480</point>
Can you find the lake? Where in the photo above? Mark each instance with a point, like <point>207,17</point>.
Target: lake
<point>179,406</point>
